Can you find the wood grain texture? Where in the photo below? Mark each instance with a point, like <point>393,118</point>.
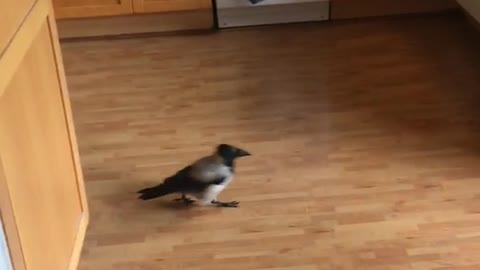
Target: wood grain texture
<point>364,138</point>
<point>347,9</point>
<point>136,24</point>
<point>36,155</point>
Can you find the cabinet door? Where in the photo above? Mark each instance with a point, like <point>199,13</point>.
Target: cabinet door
<point>42,199</point>
<point>91,8</point>
<point>11,17</point>
<point>146,6</point>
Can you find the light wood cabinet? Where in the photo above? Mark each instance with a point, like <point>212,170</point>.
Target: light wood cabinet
<point>11,17</point>
<point>149,6</point>
<point>42,199</point>
<point>97,8</point>
<point>91,8</point>
<point>91,18</point>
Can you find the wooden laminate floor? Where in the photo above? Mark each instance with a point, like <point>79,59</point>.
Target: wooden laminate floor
<point>365,135</point>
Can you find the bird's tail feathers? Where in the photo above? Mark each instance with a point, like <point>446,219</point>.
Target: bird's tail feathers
<point>154,192</point>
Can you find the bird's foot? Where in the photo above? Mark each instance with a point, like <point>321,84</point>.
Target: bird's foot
<point>226,204</point>
<point>185,200</point>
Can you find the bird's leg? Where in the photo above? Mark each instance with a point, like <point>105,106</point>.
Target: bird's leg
<point>225,204</point>
<point>184,199</point>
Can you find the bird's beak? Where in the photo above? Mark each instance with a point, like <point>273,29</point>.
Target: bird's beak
<point>242,153</point>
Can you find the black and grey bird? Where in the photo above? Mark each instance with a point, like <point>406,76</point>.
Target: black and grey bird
<point>204,179</point>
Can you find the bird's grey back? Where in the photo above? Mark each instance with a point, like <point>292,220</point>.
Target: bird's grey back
<point>210,168</point>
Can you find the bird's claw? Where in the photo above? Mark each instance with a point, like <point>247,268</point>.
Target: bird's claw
<point>226,204</point>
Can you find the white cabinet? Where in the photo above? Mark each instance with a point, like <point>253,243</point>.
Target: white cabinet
<point>233,13</point>
<point>472,7</point>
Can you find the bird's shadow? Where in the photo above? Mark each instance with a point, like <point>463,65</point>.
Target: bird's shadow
<point>171,204</point>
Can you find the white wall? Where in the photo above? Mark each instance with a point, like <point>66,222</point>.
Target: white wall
<point>472,6</point>
<point>5,263</point>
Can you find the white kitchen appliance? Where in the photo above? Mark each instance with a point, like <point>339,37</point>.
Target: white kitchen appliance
<point>232,13</point>
<point>472,7</point>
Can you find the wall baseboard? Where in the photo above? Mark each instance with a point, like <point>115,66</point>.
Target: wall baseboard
<point>349,9</point>
<point>135,24</point>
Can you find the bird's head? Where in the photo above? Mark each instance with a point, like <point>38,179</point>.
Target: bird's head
<point>229,152</point>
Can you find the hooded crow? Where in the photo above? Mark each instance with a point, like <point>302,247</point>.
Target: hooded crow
<point>204,179</point>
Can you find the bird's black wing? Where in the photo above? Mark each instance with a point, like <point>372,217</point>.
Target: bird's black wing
<point>173,183</point>
<point>194,178</point>
<point>183,181</point>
